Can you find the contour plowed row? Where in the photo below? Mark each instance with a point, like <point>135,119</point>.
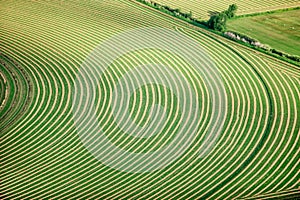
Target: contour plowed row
<point>51,150</point>
<point>15,91</point>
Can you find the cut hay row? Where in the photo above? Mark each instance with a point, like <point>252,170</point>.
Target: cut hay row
<point>289,70</point>
<point>268,166</point>
<point>204,9</point>
<point>43,154</point>
<point>283,194</point>
<point>16,91</point>
<point>219,153</point>
<point>4,90</point>
<point>295,154</point>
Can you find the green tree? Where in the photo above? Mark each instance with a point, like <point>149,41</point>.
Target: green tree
<point>190,14</point>
<point>218,22</point>
<point>231,11</point>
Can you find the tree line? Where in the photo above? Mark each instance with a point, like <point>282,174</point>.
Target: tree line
<point>174,11</point>
<point>217,22</point>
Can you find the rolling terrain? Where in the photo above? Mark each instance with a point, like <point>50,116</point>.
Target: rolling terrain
<point>111,99</point>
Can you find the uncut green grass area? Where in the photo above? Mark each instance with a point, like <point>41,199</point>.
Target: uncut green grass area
<point>279,30</point>
<point>204,9</point>
<point>43,157</point>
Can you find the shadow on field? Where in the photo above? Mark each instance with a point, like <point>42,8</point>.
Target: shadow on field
<point>212,13</point>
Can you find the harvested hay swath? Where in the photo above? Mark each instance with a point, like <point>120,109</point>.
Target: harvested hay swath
<point>50,150</point>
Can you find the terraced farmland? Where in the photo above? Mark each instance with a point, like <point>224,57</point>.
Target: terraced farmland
<point>110,100</point>
<point>203,9</point>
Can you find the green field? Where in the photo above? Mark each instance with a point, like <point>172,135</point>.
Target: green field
<point>80,120</point>
<point>279,30</point>
<point>204,9</point>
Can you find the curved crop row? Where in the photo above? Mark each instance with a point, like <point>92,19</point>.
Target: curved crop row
<point>89,118</point>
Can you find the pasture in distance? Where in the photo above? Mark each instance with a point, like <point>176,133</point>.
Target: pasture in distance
<point>279,30</point>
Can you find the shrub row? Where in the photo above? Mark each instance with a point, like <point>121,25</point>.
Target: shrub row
<point>255,43</point>
<point>174,11</point>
